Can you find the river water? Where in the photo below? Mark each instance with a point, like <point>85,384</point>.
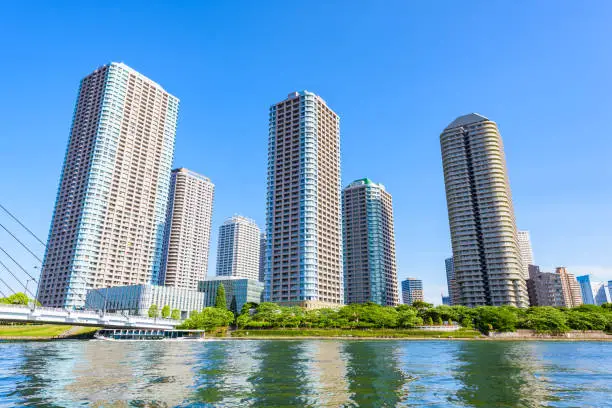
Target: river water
<point>306,373</point>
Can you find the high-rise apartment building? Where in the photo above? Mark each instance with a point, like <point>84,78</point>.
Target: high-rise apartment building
<point>544,288</point>
<point>187,235</point>
<point>108,223</point>
<point>303,214</point>
<point>238,248</point>
<point>262,256</point>
<point>412,290</point>
<point>487,258</point>
<point>524,240</point>
<point>586,289</point>
<point>453,294</point>
<point>370,271</point>
<point>572,293</point>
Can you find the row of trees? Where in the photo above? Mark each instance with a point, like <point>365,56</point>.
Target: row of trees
<point>484,319</point>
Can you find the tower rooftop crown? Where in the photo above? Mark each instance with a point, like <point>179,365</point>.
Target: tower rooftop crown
<point>466,120</point>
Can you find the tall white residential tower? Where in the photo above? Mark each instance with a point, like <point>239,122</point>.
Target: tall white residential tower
<point>524,241</point>
<point>108,223</point>
<point>239,248</point>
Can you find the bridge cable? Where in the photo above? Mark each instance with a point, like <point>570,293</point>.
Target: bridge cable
<point>16,278</point>
<point>7,285</point>
<point>21,243</point>
<point>23,226</point>
<point>39,260</point>
<point>18,264</point>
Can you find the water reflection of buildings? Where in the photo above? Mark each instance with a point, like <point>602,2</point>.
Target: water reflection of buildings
<point>499,374</point>
<point>154,373</point>
<point>373,373</point>
<point>223,370</point>
<point>325,366</point>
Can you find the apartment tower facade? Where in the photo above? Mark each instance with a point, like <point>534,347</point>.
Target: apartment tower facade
<point>524,240</point>
<point>187,236</point>
<point>370,270</point>
<point>572,294</point>
<point>486,253</point>
<point>108,222</point>
<point>303,213</point>
<point>453,296</point>
<point>238,248</point>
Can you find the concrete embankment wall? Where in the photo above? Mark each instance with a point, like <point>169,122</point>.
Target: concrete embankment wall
<point>574,334</point>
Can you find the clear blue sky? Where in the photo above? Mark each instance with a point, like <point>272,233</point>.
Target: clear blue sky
<point>396,72</point>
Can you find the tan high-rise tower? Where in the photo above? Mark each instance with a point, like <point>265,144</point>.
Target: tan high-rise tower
<point>486,254</point>
<point>303,215</point>
<point>108,224</point>
<point>187,236</point>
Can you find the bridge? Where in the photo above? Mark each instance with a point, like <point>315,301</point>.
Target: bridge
<point>47,315</point>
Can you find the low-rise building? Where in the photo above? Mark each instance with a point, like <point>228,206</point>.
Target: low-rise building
<point>137,299</point>
<point>238,291</point>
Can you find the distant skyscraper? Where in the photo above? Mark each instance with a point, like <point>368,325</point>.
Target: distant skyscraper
<point>108,222</point>
<point>451,282</point>
<point>238,248</point>
<point>586,289</point>
<point>262,256</point>
<point>187,236</point>
<point>571,289</point>
<point>544,288</point>
<point>303,215</point>
<point>487,258</point>
<point>370,271</point>
<point>446,300</point>
<point>599,293</point>
<point>524,241</point>
<point>412,290</point>
<point>610,291</point>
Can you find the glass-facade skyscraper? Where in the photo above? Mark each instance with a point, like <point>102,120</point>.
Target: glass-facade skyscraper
<point>370,270</point>
<point>586,289</point>
<point>108,223</point>
<point>487,258</point>
<point>303,213</point>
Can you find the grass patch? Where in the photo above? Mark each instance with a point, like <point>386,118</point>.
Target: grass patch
<point>43,330</point>
<point>357,333</point>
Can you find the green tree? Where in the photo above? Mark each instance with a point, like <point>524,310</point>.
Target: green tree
<point>165,312</point>
<point>176,314</point>
<point>419,304</point>
<point>545,320</point>
<point>18,298</point>
<point>439,322</point>
<point>220,300</point>
<point>429,321</point>
<point>153,311</point>
<point>408,318</point>
<point>209,318</point>
<point>502,319</point>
